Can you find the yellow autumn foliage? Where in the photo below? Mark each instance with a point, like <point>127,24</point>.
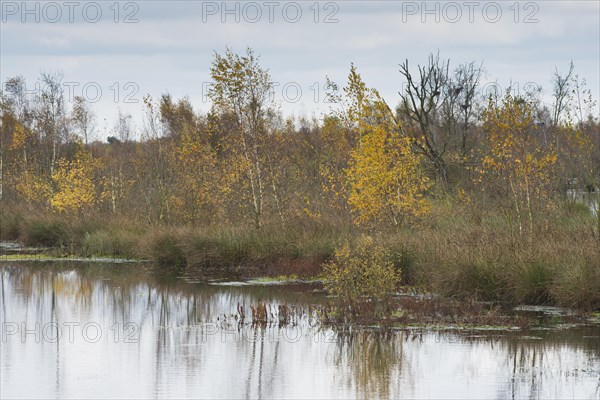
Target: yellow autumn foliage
<point>32,188</point>
<point>203,181</point>
<point>517,159</point>
<point>75,187</point>
<point>362,278</point>
<point>20,137</point>
<point>384,178</point>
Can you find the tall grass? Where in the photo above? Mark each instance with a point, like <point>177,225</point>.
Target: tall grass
<point>476,255</point>
<point>110,242</point>
<point>49,232</point>
<point>460,250</point>
<point>10,221</point>
<point>273,252</point>
<point>165,248</point>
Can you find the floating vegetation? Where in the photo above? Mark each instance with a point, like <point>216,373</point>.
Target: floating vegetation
<point>267,314</point>
<point>275,280</point>
<point>7,247</point>
<point>430,313</point>
<point>52,258</point>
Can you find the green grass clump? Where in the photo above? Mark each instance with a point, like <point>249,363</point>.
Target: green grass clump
<point>166,249</point>
<point>531,282</point>
<point>578,285</point>
<point>111,243</point>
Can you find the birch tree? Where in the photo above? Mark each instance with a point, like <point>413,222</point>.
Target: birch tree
<point>240,86</point>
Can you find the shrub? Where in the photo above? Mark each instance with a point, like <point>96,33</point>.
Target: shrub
<point>9,225</point>
<point>43,232</point>
<point>362,278</point>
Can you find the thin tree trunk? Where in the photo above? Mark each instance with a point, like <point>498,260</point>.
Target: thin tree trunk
<point>253,186</point>
<point>517,208</point>
<point>441,171</point>
<point>275,195</point>
<point>54,155</point>
<point>529,212</point>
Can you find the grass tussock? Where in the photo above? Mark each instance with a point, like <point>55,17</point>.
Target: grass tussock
<point>165,247</point>
<point>579,285</point>
<point>10,222</point>
<point>45,231</point>
<point>110,242</point>
<point>479,255</point>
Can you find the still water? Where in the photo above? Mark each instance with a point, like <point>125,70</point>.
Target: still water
<point>121,331</point>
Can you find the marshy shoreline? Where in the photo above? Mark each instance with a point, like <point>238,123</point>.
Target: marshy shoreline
<point>456,253</point>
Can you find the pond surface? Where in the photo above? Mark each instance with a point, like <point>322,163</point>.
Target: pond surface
<point>121,331</point>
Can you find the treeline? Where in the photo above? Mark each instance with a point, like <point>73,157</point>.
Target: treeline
<point>459,190</point>
<point>243,163</point>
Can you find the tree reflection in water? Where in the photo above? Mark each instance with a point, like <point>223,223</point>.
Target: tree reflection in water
<point>190,344</point>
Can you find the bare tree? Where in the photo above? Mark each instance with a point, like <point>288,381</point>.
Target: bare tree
<point>562,93</point>
<point>51,114</point>
<point>420,104</point>
<point>460,99</point>
<point>585,107</point>
<point>83,118</point>
<point>16,97</point>
<point>123,128</point>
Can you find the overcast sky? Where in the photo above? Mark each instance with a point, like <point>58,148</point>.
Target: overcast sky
<point>131,49</point>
